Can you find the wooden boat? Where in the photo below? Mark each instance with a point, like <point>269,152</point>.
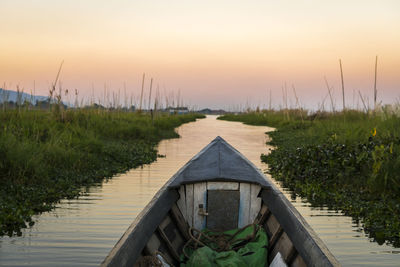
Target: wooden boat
<point>219,189</point>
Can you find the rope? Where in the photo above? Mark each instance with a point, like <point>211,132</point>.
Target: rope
<point>223,241</point>
<point>151,260</point>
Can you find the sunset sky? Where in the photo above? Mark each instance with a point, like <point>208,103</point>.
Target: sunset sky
<point>218,54</point>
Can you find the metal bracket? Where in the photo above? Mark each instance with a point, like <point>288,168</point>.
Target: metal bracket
<point>202,211</point>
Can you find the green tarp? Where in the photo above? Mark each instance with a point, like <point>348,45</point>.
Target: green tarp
<point>245,247</point>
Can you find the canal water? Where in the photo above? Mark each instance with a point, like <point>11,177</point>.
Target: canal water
<point>81,232</point>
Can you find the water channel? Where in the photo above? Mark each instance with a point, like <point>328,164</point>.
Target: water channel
<point>81,232</point>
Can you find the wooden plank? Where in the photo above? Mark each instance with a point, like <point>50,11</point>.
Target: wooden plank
<point>168,243</point>
<point>292,256</point>
<point>182,201</point>
<point>165,251</point>
<point>272,225</point>
<point>189,203</point>
<point>131,244</point>
<point>199,197</point>
<point>255,202</point>
<point>182,224</point>
<point>285,247</point>
<point>171,231</point>
<point>262,215</point>
<point>298,262</point>
<point>274,238</point>
<point>244,207</point>
<point>169,227</point>
<point>274,231</point>
<point>222,186</point>
<point>153,244</point>
<point>305,240</point>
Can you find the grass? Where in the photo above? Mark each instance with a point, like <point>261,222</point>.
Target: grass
<point>47,156</point>
<point>347,161</point>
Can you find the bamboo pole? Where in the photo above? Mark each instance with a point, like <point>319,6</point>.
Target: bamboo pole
<point>270,99</point>
<point>125,97</point>
<point>178,98</point>
<point>330,94</point>
<point>156,99</point>
<point>341,75</point>
<point>33,100</point>
<point>376,71</point>
<point>93,100</point>
<point>362,99</point>
<point>58,74</point>
<point>151,85</point>
<point>286,103</point>
<point>298,103</point>
<point>53,89</point>
<point>141,94</point>
<point>104,95</point>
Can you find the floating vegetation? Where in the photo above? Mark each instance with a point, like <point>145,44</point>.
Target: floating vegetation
<point>45,157</point>
<point>346,161</point>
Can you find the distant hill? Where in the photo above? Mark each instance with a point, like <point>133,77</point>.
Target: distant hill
<point>13,96</point>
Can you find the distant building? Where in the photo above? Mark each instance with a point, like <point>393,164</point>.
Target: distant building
<point>43,104</point>
<point>8,104</point>
<point>178,110</point>
<point>208,111</point>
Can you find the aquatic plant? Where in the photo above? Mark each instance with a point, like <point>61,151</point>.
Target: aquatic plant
<point>348,161</point>
<point>44,158</point>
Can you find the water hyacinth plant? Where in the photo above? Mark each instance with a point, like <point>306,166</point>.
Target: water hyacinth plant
<point>49,155</point>
<point>347,161</point>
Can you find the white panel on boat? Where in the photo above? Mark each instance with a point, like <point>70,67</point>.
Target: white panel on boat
<point>189,203</point>
<point>222,186</point>
<point>244,206</point>
<point>278,261</point>
<point>164,262</point>
<point>199,197</point>
<point>182,201</point>
<point>255,202</point>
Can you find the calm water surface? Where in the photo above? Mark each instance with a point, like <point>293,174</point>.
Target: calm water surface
<point>81,232</point>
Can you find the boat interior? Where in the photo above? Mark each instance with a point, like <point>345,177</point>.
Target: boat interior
<point>218,206</point>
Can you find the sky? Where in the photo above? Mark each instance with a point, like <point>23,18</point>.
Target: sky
<point>212,53</point>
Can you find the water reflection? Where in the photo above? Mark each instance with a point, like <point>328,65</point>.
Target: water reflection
<point>81,232</point>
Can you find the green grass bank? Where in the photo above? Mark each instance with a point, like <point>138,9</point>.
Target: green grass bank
<point>47,156</point>
<point>347,161</point>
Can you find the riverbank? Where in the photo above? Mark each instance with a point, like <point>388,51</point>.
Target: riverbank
<point>347,161</point>
<point>46,157</point>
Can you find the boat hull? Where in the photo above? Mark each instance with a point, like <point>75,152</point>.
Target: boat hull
<point>229,197</point>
